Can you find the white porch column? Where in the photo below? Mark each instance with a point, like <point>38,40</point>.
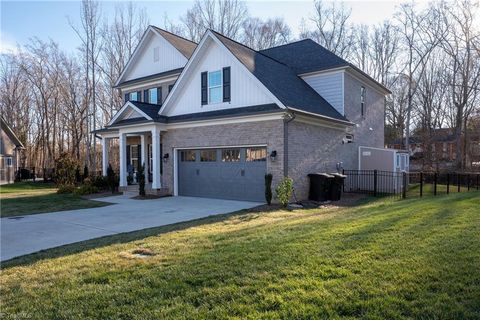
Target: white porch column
<point>144,156</point>
<point>122,145</point>
<point>156,182</point>
<point>105,155</point>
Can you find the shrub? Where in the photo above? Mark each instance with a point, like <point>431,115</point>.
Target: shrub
<point>85,189</point>
<point>284,191</point>
<point>101,183</point>
<point>65,167</point>
<point>112,180</point>
<point>268,188</point>
<point>141,180</point>
<point>65,188</point>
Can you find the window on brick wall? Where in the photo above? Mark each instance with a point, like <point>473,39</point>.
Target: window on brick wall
<point>362,101</point>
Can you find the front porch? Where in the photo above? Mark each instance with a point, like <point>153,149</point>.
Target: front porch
<point>137,146</point>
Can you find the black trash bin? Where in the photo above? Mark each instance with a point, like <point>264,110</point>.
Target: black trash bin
<point>337,185</point>
<point>320,184</point>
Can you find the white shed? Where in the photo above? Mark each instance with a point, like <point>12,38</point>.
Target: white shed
<point>383,159</point>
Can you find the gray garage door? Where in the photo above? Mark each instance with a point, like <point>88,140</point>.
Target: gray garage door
<point>230,173</point>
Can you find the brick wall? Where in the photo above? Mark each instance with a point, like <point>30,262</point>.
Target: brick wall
<point>314,148</point>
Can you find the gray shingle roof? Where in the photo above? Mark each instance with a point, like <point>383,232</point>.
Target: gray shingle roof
<point>281,80</point>
<point>305,56</point>
<point>149,109</point>
<point>186,47</point>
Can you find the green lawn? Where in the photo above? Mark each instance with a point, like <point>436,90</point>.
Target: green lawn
<point>383,259</point>
<point>24,198</point>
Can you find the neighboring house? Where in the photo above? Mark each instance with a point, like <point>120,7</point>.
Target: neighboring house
<point>438,150</point>
<point>10,148</point>
<point>211,119</point>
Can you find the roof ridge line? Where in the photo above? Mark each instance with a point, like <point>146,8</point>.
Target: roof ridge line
<point>243,45</point>
<point>173,34</point>
<point>287,44</point>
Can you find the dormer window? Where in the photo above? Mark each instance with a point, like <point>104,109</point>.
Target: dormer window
<point>215,87</point>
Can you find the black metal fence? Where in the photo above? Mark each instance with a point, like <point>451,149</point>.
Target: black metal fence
<point>408,184</point>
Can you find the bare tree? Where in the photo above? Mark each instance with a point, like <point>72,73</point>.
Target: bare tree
<point>259,35</point>
<point>223,16</point>
<point>461,43</point>
<point>119,40</point>
<point>332,29</point>
<point>419,37</point>
<point>89,34</point>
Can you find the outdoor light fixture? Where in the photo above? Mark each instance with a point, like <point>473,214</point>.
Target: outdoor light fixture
<point>273,155</point>
<point>165,157</point>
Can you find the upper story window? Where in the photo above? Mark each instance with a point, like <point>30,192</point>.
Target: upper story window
<point>152,95</point>
<point>9,161</point>
<point>134,96</point>
<point>362,101</point>
<point>170,87</point>
<point>215,87</point>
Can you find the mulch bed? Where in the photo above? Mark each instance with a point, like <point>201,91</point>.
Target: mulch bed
<point>347,200</point>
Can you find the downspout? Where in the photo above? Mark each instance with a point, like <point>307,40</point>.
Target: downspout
<point>289,116</point>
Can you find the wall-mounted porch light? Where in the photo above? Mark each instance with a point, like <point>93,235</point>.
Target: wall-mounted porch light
<point>165,157</point>
<point>273,155</point>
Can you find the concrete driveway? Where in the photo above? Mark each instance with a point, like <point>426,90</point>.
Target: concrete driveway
<point>32,233</point>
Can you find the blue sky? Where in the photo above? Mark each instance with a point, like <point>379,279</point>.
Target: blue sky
<point>21,20</point>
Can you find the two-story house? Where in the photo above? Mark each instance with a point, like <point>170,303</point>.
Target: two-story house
<point>211,119</point>
<point>10,148</point>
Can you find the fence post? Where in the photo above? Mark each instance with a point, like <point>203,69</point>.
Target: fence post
<point>34,175</point>
<point>421,184</point>
<point>477,180</point>
<point>375,183</point>
<point>404,183</point>
<point>343,184</point>
<point>448,183</point>
<point>468,182</point>
<point>435,184</point>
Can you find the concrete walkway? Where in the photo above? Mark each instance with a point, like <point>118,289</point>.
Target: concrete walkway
<point>32,233</point>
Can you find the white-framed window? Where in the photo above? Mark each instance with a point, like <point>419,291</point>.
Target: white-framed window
<point>152,95</point>
<point>9,161</point>
<point>134,156</point>
<point>362,100</point>
<point>134,96</point>
<point>215,94</point>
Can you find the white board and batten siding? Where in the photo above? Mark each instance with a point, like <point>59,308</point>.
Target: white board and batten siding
<point>244,91</point>
<point>157,55</point>
<point>330,86</point>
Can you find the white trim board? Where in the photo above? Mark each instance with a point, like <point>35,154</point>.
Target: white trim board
<point>122,110</point>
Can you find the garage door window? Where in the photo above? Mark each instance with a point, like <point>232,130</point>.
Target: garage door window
<point>230,155</point>
<point>188,156</point>
<point>256,154</point>
<point>208,155</point>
